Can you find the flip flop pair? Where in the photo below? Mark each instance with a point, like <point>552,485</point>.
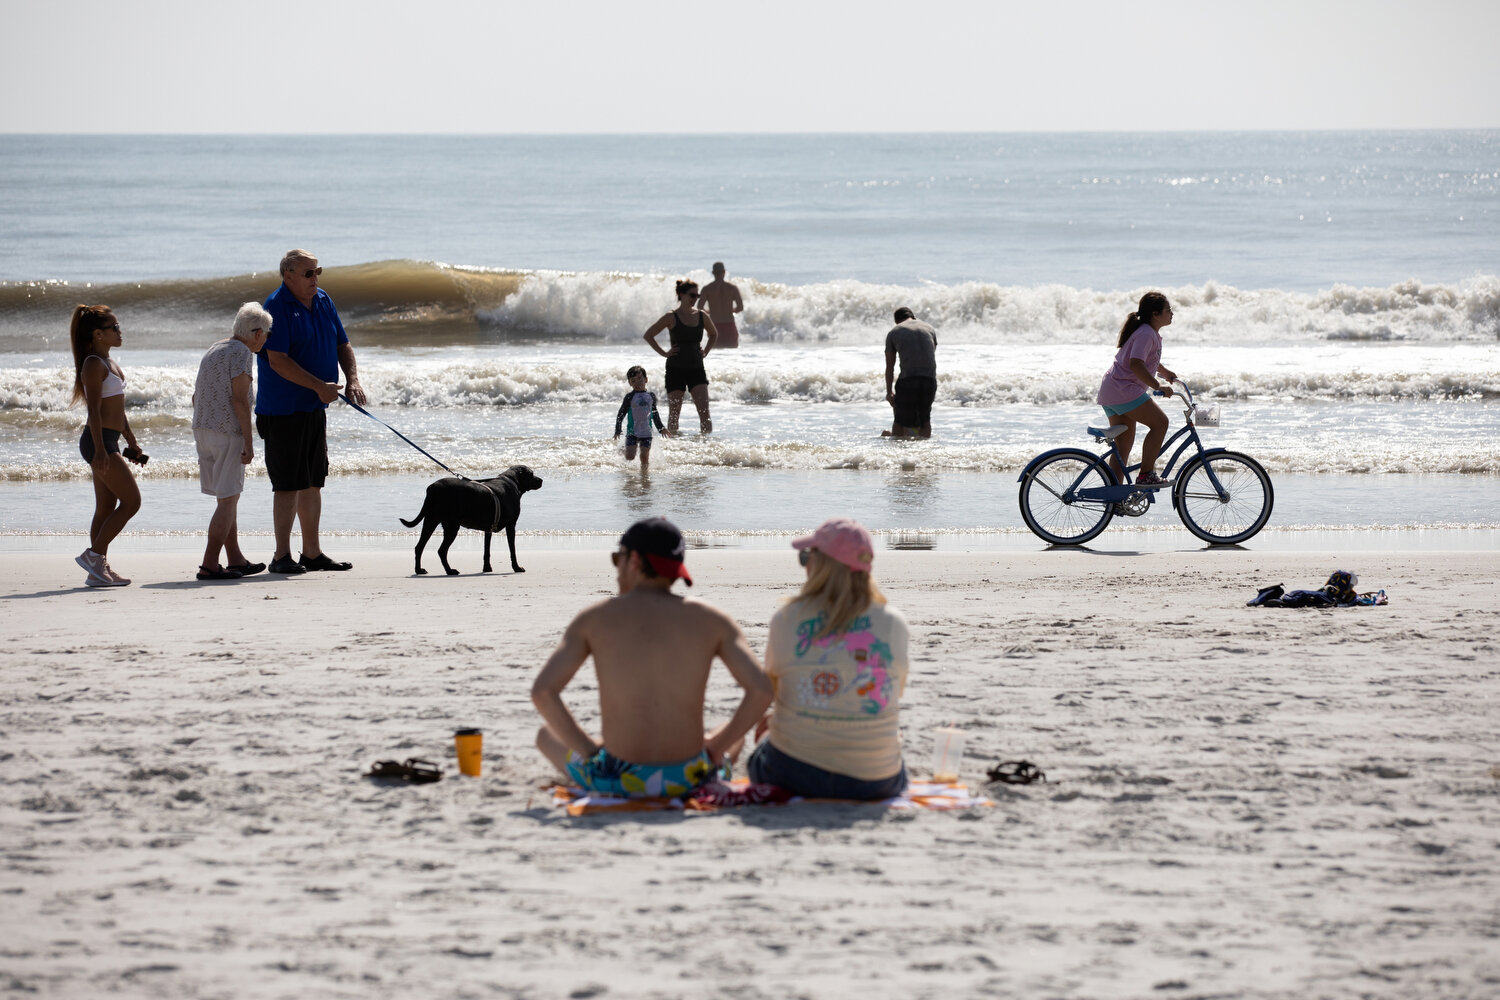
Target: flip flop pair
<point>411,770</point>
<point>1016,772</point>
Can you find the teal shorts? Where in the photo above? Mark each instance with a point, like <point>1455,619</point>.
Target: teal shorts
<point>609,775</point>
<point>1119,408</point>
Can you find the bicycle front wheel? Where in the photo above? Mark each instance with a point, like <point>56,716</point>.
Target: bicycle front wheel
<point>1060,521</point>
<point>1234,515</point>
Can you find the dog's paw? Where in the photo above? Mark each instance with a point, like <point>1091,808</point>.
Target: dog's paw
<point>452,571</point>
<point>421,571</point>
<point>516,568</point>
<point>488,568</point>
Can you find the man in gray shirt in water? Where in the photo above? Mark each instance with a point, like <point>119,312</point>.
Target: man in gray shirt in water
<point>911,395</point>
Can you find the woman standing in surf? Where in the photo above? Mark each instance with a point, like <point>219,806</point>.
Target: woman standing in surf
<point>1126,390</point>
<point>99,382</point>
<point>686,326</point>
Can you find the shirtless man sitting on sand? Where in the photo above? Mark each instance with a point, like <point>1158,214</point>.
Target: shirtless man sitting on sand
<point>652,653</point>
<point>723,302</point>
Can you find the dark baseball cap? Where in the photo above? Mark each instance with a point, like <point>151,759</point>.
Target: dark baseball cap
<point>660,544</point>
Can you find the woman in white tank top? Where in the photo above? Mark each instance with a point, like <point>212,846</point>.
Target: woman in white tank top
<point>100,384</point>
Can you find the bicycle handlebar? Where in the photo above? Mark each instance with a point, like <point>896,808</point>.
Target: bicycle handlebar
<point>1186,395</point>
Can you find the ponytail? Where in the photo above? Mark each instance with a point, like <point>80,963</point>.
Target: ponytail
<point>87,320</point>
<point>1151,304</point>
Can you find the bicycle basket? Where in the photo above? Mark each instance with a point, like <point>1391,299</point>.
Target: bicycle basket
<point>1206,416</point>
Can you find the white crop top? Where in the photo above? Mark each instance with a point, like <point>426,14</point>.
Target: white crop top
<point>114,382</point>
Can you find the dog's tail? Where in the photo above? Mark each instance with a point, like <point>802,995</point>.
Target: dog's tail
<point>418,519</point>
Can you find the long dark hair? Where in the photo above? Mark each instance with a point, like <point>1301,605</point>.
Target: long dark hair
<point>87,320</point>
<point>1151,304</point>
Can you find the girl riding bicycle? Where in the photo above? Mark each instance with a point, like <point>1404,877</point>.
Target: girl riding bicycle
<point>1126,390</point>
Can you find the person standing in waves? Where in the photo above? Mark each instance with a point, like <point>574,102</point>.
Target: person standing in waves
<point>685,328</point>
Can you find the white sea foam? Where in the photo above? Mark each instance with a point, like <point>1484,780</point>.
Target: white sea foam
<point>618,308</point>
<point>969,376</point>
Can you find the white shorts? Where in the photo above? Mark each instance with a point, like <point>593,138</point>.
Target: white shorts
<point>219,467</point>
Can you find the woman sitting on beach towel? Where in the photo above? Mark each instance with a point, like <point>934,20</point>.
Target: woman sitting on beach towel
<point>837,656</point>
<point>99,382</point>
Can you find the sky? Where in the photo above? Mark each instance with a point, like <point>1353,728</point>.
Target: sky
<point>465,66</point>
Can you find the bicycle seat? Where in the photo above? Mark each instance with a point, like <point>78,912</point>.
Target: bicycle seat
<point>1108,433</point>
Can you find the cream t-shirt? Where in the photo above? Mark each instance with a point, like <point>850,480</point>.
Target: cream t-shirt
<point>213,399</point>
<point>838,698</point>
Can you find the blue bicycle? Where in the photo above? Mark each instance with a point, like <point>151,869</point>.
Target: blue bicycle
<point>1070,495</point>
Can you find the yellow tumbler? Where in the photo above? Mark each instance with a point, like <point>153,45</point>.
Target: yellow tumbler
<point>469,745</point>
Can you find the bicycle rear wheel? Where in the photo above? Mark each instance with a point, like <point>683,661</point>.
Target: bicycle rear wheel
<point>1064,522</point>
<point>1236,515</point>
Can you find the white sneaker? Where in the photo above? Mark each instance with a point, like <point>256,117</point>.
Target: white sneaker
<point>93,565</point>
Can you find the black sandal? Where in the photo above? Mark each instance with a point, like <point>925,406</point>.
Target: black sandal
<point>414,771</point>
<point>322,562</point>
<point>1016,772</point>
<point>204,573</point>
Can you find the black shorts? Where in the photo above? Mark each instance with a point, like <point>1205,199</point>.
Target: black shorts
<point>86,444</point>
<point>296,449</point>
<point>914,396</point>
<point>679,379</point>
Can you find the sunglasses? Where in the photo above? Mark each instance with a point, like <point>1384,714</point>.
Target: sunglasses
<point>804,556</point>
<point>113,326</point>
<point>692,294</point>
<point>616,556</point>
<point>312,272</point>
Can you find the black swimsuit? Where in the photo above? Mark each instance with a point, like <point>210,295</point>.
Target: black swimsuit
<point>688,340</point>
<point>685,368</point>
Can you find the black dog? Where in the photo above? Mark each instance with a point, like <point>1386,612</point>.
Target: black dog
<point>485,505</point>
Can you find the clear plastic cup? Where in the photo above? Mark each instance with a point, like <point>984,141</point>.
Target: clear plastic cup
<point>947,753</point>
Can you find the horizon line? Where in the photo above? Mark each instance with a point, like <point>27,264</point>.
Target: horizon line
<point>1282,130</point>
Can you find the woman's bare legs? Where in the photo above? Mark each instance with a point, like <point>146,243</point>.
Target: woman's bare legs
<point>222,534</point>
<point>700,400</point>
<point>116,501</point>
<point>674,409</point>
<point>1155,421</point>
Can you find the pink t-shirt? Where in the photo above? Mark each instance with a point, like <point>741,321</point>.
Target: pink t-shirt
<point>1120,384</point>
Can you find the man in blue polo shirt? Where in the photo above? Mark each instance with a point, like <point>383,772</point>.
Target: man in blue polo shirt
<point>299,370</point>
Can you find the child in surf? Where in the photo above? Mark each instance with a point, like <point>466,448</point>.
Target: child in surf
<point>638,412</point>
<point>1126,390</point>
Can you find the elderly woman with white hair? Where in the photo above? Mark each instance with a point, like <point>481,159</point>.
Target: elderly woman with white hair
<point>222,402</point>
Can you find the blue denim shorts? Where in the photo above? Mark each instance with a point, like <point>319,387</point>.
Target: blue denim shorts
<point>769,766</point>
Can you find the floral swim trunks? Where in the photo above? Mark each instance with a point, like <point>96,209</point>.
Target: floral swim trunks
<point>609,775</point>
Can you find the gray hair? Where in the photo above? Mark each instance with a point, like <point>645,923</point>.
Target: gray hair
<point>292,256</point>
<point>250,317</point>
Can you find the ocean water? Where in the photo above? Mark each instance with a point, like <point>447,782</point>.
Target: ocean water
<point>1337,294</point>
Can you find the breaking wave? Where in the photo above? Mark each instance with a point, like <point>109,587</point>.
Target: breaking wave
<point>408,302</point>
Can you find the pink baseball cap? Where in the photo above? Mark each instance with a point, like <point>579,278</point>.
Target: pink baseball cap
<point>843,539</point>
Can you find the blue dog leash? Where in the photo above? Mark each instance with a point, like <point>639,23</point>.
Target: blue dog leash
<point>403,437</point>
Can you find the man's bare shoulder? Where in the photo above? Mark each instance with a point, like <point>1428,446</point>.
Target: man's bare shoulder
<point>650,601</point>
<point>709,615</point>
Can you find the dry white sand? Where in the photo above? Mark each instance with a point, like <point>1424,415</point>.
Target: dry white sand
<point>1243,802</point>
